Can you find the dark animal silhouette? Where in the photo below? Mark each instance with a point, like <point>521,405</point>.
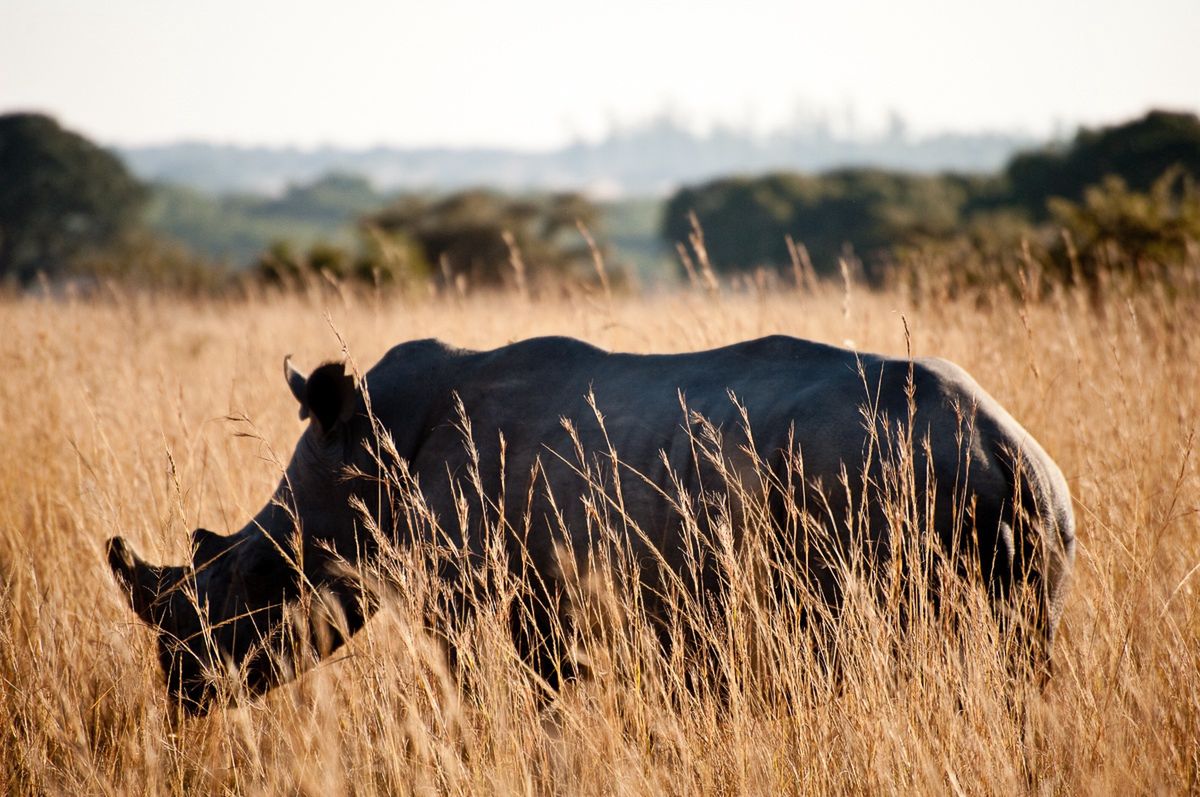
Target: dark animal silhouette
<point>804,403</point>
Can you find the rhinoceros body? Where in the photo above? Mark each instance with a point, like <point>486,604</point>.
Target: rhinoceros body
<point>546,418</point>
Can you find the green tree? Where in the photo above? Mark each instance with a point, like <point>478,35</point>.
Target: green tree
<point>1138,152</point>
<point>474,233</point>
<point>60,196</point>
<point>746,220</point>
<point>1116,228</point>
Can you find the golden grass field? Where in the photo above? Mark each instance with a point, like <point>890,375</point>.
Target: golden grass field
<point>116,419</point>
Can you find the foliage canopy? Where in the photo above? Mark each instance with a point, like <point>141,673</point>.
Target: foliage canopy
<point>1138,152</point>
<point>61,195</point>
<point>486,237</point>
<point>1106,189</point>
<point>747,220</point>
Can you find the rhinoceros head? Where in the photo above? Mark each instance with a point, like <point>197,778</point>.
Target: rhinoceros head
<point>225,610</point>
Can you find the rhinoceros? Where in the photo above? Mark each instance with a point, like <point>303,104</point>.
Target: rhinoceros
<point>810,421</point>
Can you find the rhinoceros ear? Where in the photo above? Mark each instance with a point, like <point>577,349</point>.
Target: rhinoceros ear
<point>297,383</point>
<point>329,396</point>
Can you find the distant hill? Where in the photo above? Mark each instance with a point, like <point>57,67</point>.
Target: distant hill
<point>653,159</point>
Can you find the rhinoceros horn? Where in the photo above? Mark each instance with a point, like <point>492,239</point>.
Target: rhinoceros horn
<point>145,583</point>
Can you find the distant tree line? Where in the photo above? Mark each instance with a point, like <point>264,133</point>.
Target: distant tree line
<point>639,159</point>
<point>71,210</point>
<point>237,228</point>
<point>1117,197</point>
<point>1127,189</point>
<point>474,237</point>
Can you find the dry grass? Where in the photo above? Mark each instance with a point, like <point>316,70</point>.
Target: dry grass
<point>115,420</point>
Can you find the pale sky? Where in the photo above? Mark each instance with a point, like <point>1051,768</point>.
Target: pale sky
<point>535,74</point>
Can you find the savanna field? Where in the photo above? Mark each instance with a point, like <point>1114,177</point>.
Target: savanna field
<point>149,415</point>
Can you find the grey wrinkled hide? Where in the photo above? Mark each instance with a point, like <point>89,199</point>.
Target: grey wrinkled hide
<point>800,397</point>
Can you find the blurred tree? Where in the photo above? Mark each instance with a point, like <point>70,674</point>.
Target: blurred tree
<point>218,227</point>
<point>1115,228</point>
<point>281,265</point>
<point>1138,152</point>
<point>239,227</point>
<point>468,233</point>
<point>380,260</point>
<point>332,199</point>
<point>145,260</point>
<point>746,221</point>
<point>60,196</point>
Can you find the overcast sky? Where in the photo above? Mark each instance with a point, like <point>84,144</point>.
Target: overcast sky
<point>536,74</point>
